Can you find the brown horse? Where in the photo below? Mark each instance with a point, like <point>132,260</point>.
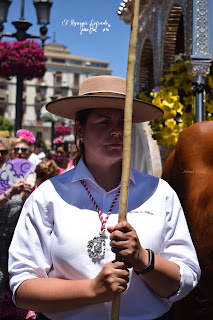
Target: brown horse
<point>189,170</point>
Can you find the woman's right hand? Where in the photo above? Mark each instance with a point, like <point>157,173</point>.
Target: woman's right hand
<point>17,188</point>
<point>111,281</point>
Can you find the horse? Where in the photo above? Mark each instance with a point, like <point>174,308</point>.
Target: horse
<point>189,171</point>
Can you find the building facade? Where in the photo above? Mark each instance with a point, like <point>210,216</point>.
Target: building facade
<point>62,68</point>
<point>168,28</point>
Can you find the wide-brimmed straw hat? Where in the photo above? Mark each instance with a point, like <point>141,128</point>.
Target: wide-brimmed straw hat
<point>102,92</point>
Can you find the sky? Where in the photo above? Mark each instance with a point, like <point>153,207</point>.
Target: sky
<point>74,23</point>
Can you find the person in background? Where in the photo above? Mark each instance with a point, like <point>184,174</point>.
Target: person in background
<point>46,170</point>
<point>19,148</point>
<point>22,146</point>
<point>62,157</point>
<point>37,155</point>
<point>16,188</point>
<point>11,202</point>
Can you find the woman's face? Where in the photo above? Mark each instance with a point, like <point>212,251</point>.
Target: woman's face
<point>61,155</point>
<point>20,150</point>
<point>103,135</point>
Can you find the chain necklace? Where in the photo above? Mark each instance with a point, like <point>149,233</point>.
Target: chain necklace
<point>96,246</point>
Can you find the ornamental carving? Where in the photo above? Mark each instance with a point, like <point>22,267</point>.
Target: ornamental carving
<point>200,67</point>
<point>201,28</point>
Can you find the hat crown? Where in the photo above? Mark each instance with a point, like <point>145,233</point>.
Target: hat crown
<point>103,85</point>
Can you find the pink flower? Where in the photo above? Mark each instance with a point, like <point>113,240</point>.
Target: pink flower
<point>17,58</point>
<point>62,130</point>
<point>58,140</point>
<point>26,134</point>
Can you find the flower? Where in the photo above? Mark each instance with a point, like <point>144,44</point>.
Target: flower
<point>170,123</point>
<point>62,130</point>
<point>175,98</point>
<point>58,140</point>
<point>26,134</point>
<point>24,58</point>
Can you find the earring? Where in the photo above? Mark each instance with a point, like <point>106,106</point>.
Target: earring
<point>81,139</point>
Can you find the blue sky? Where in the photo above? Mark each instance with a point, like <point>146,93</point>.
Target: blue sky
<point>109,45</point>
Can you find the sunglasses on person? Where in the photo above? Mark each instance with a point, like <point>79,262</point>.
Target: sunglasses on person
<point>16,149</point>
<point>3,152</point>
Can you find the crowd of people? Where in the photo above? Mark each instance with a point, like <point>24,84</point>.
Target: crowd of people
<point>23,146</point>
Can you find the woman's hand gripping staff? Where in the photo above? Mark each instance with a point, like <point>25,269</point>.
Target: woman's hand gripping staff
<point>164,278</point>
<point>111,281</point>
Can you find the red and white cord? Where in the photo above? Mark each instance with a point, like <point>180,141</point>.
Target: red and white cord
<point>103,221</point>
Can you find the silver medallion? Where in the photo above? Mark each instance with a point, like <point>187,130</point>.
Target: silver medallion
<point>96,246</point>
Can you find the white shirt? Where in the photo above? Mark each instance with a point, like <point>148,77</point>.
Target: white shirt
<point>35,159</point>
<point>59,218</point>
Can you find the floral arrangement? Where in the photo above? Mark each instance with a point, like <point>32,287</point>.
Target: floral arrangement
<point>62,130</point>
<point>26,134</point>
<point>58,140</point>
<point>24,58</point>
<point>209,97</point>
<point>175,98</point>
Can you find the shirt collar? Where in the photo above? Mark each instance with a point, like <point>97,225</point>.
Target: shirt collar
<point>82,172</point>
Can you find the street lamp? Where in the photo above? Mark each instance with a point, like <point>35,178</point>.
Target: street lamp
<point>43,13</point>
<point>22,25</point>
<point>51,117</point>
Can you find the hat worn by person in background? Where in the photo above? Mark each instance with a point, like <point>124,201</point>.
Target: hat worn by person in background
<point>103,92</point>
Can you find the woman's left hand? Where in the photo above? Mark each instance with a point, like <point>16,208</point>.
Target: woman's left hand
<point>125,243</point>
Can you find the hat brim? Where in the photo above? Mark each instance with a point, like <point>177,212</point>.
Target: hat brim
<point>68,107</point>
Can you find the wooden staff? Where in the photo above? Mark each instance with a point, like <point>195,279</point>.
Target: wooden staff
<point>127,131</point>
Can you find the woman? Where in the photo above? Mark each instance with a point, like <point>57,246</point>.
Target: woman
<point>16,188</point>
<point>20,148</point>
<point>62,158</point>
<point>11,202</point>
<point>69,270</point>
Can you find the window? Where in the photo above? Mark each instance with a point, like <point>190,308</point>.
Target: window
<point>98,65</point>
<point>2,94</point>
<point>58,60</point>
<point>38,115</point>
<point>58,78</point>
<point>76,79</point>
<point>38,135</point>
<point>75,62</point>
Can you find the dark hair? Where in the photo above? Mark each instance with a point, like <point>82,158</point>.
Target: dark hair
<point>64,145</point>
<point>39,143</point>
<point>82,117</point>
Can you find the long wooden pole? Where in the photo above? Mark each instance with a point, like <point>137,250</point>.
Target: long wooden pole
<point>127,131</point>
